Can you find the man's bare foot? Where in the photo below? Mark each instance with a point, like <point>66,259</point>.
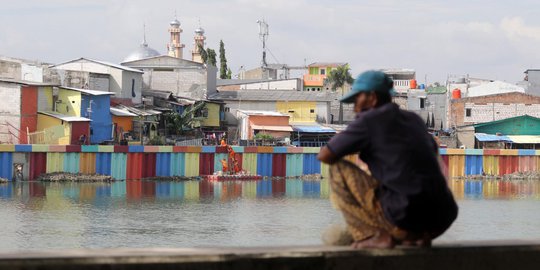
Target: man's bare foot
<point>424,241</point>
<point>380,240</point>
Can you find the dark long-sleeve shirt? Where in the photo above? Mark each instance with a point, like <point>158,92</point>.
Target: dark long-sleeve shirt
<point>402,156</point>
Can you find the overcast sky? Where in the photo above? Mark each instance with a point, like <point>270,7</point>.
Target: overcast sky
<point>483,38</point>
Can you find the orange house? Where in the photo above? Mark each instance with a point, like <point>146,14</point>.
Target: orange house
<point>122,121</point>
<point>268,122</point>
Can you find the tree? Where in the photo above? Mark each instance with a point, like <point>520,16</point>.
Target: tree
<point>204,55</point>
<point>211,54</point>
<point>229,73</point>
<point>337,79</point>
<point>222,61</point>
<point>177,123</point>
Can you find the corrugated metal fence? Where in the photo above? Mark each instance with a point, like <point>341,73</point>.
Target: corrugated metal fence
<point>136,162</point>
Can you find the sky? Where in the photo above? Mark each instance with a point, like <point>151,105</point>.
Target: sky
<point>492,39</point>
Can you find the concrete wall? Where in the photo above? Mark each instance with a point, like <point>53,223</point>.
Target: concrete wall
<point>10,112</point>
<point>131,84</point>
<point>291,84</point>
<point>533,86</point>
<point>494,107</point>
<point>321,115</point>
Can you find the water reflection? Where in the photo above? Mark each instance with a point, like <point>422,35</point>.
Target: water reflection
<point>231,190</point>
<point>133,191</point>
<point>496,189</point>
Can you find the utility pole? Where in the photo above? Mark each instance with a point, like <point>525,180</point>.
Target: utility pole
<point>263,34</point>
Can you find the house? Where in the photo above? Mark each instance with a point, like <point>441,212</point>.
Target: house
<point>293,84</point>
<point>181,77</point>
<point>404,79</point>
<point>91,104</point>
<point>253,122</point>
<point>21,101</point>
<point>532,80</point>
<point>26,70</point>
<point>56,128</point>
<point>492,88</point>
<point>122,123</point>
<point>311,135</point>
<point>317,73</point>
<point>521,132</point>
<point>482,109</point>
<point>83,73</point>
<point>301,106</point>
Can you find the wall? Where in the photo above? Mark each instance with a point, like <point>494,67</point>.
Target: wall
<point>129,80</point>
<point>56,131</point>
<point>493,108</point>
<point>533,77</point>
<point>291,84</point>
<point>10,120</point>
<point>124,122</point>
<point>29,106</point>
<point>71,102</point>
<point>101,124</point>
<point>135,162</point>
<point>302,111</point>
<point>213,119</point>
<point>45,100</point>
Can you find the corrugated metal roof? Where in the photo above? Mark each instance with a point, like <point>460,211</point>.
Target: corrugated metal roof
<point>495,87</point>
<point>102,63</point>
<point>265,113</point>
<point>312,129</point>
<point>525,139</point>
<point>326,64</point>
<point>491,138</point>
<point>65,117</point>
<point>274,95</point>
<point>31,83</point>
<point>87,91</point>
<point>121,112</point>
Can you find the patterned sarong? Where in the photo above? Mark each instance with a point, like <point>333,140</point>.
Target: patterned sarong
<point>354,194</point>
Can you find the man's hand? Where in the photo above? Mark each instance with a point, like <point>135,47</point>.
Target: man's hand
<point>326,156</point>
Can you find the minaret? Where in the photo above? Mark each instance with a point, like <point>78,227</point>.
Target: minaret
<point>199,42</point>
<point>175,48</point>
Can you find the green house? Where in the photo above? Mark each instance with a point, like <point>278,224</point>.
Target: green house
<point>520,125</point>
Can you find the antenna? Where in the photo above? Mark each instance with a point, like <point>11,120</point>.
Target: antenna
<point>144,35</point>
<point>263,35</point>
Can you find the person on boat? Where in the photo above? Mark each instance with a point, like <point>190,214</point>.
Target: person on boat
<point>402,196</point>
<point>225,165</point>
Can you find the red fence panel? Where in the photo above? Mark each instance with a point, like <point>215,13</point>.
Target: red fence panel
<point>279,165</point>
<point>134,166</point>
<point>206,163</point>
<point>508,164</point>
<point>149,165</point>
<point>38,165</point>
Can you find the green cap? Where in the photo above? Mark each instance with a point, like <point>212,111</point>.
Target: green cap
<point>371,80</point>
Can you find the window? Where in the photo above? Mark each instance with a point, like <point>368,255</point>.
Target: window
<point>227,109</point>
<point>422,103</point>
<point>312,111</point>
<point>468,112</point>
<point>290,111</point>
<point>323,71</point>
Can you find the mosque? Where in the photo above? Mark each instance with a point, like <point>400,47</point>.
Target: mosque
<point>175,47</point>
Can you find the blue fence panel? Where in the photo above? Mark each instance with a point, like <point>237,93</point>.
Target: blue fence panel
<point>264,188</point>
<point>119,166</point>
<point>473,165</point>
<point>177,166</point>
<point>103,163</point>
<point>163,164</point>
<point>6,165</point>
<point>264,164</point>
<point>474,189</point>
<point>23,148</point>
<point>208,149</point>
<point>311,164</point>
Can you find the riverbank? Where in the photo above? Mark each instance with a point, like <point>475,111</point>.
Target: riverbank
<point>531,175</point>
<point>74,177</point>
<point>477,256</point>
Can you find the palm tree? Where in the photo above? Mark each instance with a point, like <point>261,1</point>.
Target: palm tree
<point>338,78</point>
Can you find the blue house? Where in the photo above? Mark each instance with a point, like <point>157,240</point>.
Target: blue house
<point>91,104</point>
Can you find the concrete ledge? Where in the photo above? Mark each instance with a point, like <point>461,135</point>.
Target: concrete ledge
<point>478,256</point>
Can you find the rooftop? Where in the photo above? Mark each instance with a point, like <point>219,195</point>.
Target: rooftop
<point>65,117</point>
<point>88,92</point>
<point>327,64</point>
<point>274,95</point>
<point>263,113</point>
<point>101,63</point>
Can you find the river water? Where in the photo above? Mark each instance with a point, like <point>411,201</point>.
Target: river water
<point>44,216</point>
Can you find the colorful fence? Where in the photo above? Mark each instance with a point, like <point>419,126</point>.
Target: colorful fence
<point>136,162</point>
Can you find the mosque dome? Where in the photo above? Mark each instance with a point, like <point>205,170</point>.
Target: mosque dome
<point>175,23</point>
<point>141,53</point>
<point>199,31</point>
